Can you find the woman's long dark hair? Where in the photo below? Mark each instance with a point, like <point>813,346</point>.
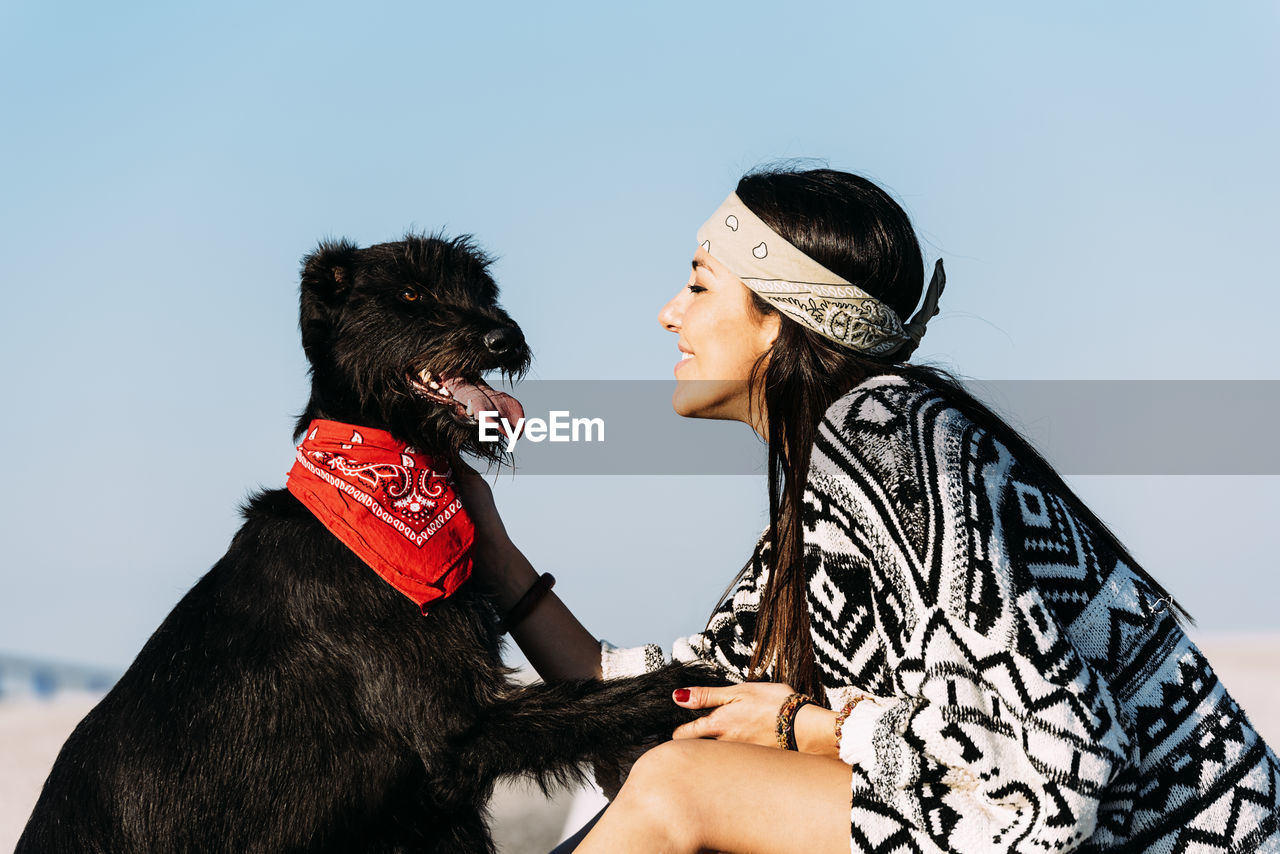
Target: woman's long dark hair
<point>854,229</point>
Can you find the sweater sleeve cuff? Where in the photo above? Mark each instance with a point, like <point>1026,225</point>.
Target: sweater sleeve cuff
<point>857,732</point>
<point>616,661</point>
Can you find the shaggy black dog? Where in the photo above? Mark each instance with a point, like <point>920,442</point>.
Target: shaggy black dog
<point>294,701</point>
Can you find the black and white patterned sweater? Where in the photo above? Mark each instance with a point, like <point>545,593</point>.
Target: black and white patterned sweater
<point>1040,697</point>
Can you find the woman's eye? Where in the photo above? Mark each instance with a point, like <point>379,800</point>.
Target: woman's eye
<point>696,289</point>
<point>409,295</point>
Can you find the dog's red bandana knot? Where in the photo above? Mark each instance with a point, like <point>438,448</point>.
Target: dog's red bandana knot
<point>393,506</point>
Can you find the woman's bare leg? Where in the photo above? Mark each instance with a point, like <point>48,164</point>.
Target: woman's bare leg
<point>697,795</point>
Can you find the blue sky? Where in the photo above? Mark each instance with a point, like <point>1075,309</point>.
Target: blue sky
<point>1100,179</point>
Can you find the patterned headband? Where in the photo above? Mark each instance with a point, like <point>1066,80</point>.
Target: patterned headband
<point>808,292</point>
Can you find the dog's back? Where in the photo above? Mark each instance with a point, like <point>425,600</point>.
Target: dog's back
<point>280,702</point>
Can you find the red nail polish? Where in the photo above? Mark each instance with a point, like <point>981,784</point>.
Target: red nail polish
<point>682,695</point>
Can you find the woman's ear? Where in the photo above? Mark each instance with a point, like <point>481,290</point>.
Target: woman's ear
<point>767,332</point>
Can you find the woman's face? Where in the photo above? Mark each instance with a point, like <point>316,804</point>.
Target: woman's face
<point>721,336</point>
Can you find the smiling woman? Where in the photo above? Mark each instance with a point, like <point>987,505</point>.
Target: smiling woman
<point>936,645</point>
<point>723,337</point>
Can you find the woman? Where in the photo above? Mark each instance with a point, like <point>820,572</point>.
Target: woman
<point>939,647</point>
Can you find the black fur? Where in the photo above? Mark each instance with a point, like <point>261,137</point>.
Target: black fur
<point>293,701</point>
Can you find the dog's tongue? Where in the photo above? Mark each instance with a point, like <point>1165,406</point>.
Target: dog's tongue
<point>485,398</point>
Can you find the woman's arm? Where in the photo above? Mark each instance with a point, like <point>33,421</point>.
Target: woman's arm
<point>816,731</point>
<point>556,644</point>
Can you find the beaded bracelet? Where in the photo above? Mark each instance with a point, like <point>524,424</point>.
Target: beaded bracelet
<point>786,729</point>
<point>531,597</point>
<point>844,715</point>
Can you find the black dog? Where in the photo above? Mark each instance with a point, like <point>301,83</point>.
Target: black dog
<point>293,701</point>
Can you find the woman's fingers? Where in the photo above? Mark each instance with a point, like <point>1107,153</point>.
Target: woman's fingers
<point>703,698</point>
<point>703,727</point>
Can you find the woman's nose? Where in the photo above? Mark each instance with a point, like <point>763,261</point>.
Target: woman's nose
<point>669,316</point>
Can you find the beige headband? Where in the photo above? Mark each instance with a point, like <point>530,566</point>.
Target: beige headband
<point>808,292</point>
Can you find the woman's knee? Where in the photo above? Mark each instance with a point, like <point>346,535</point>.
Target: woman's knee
<point>670,759</point>
<point>663,788</point>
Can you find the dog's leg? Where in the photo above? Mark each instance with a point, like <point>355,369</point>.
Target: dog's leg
<point>549,731</point>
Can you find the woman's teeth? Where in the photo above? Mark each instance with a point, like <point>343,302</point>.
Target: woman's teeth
<point>684,356</point>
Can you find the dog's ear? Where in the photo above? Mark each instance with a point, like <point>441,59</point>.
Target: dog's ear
<point>328,272</point>
<point>327,277</point>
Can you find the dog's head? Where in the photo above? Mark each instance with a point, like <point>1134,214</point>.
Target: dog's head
<point>399,336</point>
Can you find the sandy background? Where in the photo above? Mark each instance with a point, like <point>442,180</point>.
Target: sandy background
<point>525,822</point>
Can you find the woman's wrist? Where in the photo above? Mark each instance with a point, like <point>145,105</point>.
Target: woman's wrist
<point>527,603</point>
<point>815,731</point>
<point>506,575</point>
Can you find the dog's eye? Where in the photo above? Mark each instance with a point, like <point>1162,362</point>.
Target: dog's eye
<point>409,295</point>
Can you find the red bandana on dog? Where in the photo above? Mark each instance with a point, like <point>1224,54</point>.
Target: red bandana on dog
<point>391,505</point>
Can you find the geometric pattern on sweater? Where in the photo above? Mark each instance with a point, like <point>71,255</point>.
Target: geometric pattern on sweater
<point>1047,699</point>
<point>1042,698</point>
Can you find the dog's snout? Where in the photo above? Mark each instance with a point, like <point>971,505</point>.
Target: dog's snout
<point>502,340</point>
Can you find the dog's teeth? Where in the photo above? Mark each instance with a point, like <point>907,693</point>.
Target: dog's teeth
<point>470,410</point>
<point>444,391</point>
<point>433,385</point>
<point>424,375</point>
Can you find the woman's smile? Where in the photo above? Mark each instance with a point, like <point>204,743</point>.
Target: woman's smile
<point>685,356</point>
<point>722,336</point>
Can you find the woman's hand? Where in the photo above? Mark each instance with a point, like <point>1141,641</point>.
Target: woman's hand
<point>477,498</point>
<point>747,713</point>
<point>497,563</point>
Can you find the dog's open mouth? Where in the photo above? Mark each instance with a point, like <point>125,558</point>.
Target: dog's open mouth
<point>466,398</point>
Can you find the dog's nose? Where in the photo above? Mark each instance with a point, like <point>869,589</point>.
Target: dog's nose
<point>502,340</point>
